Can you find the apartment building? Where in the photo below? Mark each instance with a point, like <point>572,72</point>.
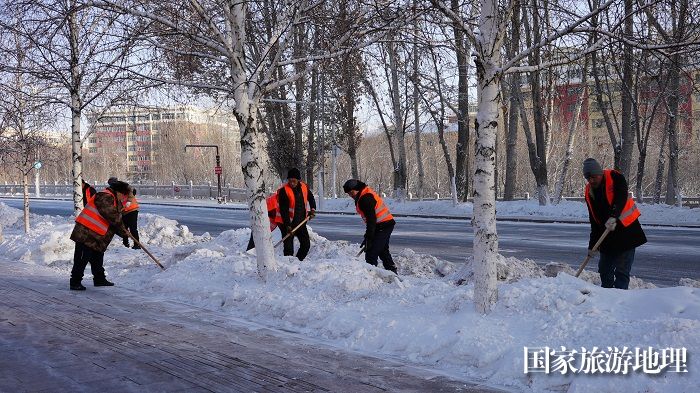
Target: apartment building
<point>129,140</point>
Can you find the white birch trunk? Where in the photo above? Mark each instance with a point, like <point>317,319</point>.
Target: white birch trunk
<point>247,99</point>
<point>25,195</point>
<point>77,159</point>
<point>487,61</point>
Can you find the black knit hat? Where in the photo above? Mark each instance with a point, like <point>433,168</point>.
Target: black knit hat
<point>294,174</point>
<point>120,186</point>
<point>591,167</point>
<point>353,184</point>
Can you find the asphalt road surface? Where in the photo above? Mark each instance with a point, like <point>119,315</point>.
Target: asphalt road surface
<point>670,254</point>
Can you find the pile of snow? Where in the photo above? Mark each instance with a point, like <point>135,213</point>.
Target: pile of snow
<point>164,232</point>
<point>427,318</point>
<point>9,216</point>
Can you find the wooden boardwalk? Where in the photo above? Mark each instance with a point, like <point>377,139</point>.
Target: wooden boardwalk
<point>116,340</point>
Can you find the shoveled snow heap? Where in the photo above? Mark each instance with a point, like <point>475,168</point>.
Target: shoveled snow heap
<point>428,318</point>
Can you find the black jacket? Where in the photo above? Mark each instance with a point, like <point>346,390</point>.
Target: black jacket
<point>367,205</point>
<point>299,209</point>
<point>622,238</point>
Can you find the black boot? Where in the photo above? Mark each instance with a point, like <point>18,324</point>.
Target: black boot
<point>126,243</point>
<point>136,247</point>
<point>103,283</point>
<point>77,287</point>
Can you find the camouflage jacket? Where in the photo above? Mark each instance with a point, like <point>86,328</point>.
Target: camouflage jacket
<point>104,202</point>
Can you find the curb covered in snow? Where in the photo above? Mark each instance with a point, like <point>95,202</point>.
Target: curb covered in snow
<point>560,220</point>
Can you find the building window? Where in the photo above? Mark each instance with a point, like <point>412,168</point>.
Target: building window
<point>93,150</point>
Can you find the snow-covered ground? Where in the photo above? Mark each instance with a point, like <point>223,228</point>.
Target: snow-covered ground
<point>428,318</point>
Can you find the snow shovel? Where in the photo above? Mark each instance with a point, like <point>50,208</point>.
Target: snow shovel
<point>595,248</point>
<point>144,249</point>
<point>361,251</point>
<point>292,231</point>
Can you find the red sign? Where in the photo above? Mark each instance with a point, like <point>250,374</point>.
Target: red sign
<point>217,170</point>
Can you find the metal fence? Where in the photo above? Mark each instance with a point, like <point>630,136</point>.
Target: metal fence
<point>231,194</point>
<point>154,190</point>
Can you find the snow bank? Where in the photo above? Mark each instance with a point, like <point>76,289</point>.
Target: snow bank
<point>9,216</point>
<point>164,232</point>
<point>427,318</point>
<point>566,210</point>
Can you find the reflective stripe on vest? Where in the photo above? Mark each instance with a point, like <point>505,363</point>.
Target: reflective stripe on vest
<point>91,218</point>
<point>381,211</point>
<point>292,200</point>
<point>629,213</point>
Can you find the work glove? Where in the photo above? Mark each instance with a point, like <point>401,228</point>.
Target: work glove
<point>611,223</point>
<point>312,213</point>
<point>288,229</point>
<point>592,254</point>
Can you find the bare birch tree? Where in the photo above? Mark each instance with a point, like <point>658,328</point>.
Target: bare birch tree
<point>81,53</point>
<point>214,41</point>
<point>487,36</point>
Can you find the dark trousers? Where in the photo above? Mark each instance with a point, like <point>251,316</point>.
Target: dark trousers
<point>614,269</point>
<point>304,242</point>
<point>130,221</point>
<point>380,248</point>
<point>251,242</point>
<point>81,257</point>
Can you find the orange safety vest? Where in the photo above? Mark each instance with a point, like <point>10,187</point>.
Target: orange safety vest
<point>89,196</point>
<point>381,211</point>
<point>90,217</point>
<point>292,201</point>
<point>629,213</point>
<point>273,211</point>
<point>134,205</point>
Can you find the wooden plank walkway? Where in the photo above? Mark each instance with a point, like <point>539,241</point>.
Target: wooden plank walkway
<point>116,340</point>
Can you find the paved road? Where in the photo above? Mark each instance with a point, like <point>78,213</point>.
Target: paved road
<point>672,253</point>
<point>117,340</point>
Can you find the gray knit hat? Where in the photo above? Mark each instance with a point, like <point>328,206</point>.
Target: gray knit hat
<point>591,167</point>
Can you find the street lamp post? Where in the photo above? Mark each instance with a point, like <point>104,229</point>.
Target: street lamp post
<point>217,168</point>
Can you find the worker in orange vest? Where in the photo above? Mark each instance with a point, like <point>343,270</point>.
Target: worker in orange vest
<point>271,216</point>
<point>94,228</point>
<point>610,207</point>
<point>296,202</point>
<point>130,216</point>
<point>379,223</point>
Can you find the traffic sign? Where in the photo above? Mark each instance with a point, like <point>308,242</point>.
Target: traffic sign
<point>217,170</point>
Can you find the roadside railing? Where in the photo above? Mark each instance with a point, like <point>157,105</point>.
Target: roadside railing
<point>154,190</point>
